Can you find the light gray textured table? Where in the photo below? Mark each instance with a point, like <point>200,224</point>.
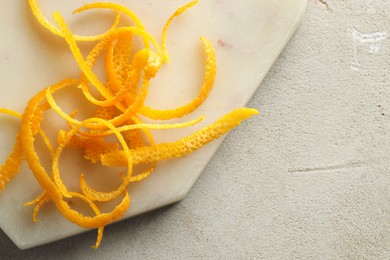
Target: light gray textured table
<point>310,178</point>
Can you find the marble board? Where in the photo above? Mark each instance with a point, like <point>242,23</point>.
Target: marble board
<point>247,35</point>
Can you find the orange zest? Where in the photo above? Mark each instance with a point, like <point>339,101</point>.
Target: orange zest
<point>112,135</point>
<point>36,11</point>
<point>195,103</point>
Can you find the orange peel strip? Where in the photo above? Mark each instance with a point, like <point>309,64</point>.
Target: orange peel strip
<point>38,206</point>
<point>36,11</point>
<point>46,141</point>
<point>177,13</point>
<point>116,81</point>
<point>134,138</point>
<point>209,76</point>
<point>182,146</point>
<point>10,112</point>
<point>146,131</point>
<point>36,200</point>
<point>113,6</point>
<point>151,140</point>
<point>112,75</point>
<point>123,48</point>
<point>12,164</point>
<point>122,55</point>
<point>96,211</point>
<point>122,75</point>
<point>43,198</point>
<point>117,8</point>
<point>14,161</point>
<point>144,126</point>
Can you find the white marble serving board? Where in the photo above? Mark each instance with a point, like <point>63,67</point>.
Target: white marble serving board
<point>247,35</point>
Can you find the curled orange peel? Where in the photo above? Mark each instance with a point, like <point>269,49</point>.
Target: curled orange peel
<point>177,13</point>
<point>122,55</point>
<point>96,210</point>
<point>36,200</point>
<point>143,126</point>
<point>117,8</point>
<point>10,112</point>
<point>38,206</point>
<point>182,146</point>
<point>36,11</point>
<point>195,103</point>
<point>12,165</point>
